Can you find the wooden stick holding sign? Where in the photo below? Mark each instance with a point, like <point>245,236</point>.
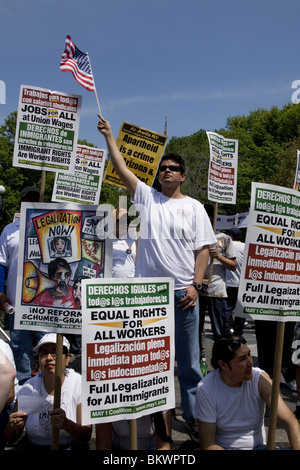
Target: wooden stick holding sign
<point>133,434</point>
<point>57,387</point>
<point>211,266</point>
<point>59,352</point>
<point>275,385</point>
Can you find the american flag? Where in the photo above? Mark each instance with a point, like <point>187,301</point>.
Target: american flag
<point>78,63</point>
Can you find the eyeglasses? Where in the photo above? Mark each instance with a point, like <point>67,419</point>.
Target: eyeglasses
<point>43,354</point>
<point>171,167</point>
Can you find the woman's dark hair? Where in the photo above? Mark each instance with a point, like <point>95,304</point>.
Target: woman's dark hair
<point>224,347</point>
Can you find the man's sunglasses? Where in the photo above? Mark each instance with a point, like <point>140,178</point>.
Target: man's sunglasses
<point>171,167</point>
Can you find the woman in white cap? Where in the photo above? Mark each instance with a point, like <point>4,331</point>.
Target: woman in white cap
<point>35,402</point>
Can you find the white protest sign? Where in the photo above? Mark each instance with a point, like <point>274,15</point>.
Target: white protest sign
<point>59,246</point>
<point>270,277</point>
<point>84,185</point>
<point>226,222</point>
<point>47,129</point>
<point>297,175</point>
<point>127,348</point>
<point>222,173</point>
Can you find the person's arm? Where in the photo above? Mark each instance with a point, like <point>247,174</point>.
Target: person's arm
<point>228,263</point>
<point>79,432</point>
<point>201,261</point>
<point>207,436</point>
<point>104,436</point>
<point>10,397</point>
<point>15,425</point>
<point>126,176</point>
<point>285,416</point>
<point>7,377</point>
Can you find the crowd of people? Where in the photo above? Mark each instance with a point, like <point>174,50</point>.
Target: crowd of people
<point>223,410</point>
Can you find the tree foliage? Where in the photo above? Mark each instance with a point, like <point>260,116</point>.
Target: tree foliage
<point>268,142</point>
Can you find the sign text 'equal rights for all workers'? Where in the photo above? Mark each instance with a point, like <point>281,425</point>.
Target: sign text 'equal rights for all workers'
<point>128,356</point>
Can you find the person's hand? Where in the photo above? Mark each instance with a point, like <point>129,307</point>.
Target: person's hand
<point>17,420</point>
<point>103,126</point>
<point>190,298</point>
<point>213,252</point>
<point>3,299</point>
<point>58,417</point>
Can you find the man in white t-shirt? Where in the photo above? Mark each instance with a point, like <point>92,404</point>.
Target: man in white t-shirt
<point>175,236</point>
<point>231,400</point>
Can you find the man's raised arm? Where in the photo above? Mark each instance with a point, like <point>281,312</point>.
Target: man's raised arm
<point>126,176</point>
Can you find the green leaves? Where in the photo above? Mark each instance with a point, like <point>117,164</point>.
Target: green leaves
<point>268,144</point>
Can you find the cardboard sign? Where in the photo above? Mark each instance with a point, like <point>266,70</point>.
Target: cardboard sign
<point>142,150</point>
<point>84,185</point>
<point>128,348</point>
<point>47,129</point>
<point>222,173</point>
<point>270,277</point>
<point>59,246</point>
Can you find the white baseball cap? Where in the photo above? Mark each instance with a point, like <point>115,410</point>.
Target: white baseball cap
<point>51,338</point>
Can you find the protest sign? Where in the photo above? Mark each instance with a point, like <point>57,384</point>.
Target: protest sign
<point>127,348</point>
<point>47,129</point>
<point>297,175</point>
<point>84,185</point>
<point>141,149</point>
<point>222,173</point>
<point>59,246</point>
<point>226,222</point>
<point>270,277</point>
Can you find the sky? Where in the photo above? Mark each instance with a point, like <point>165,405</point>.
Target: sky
<point>196,61</point>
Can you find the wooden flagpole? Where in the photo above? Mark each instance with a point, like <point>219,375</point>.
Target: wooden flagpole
<point>100,113</point>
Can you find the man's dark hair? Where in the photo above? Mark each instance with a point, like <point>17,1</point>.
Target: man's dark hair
<point>175,158</point>
<point>235,233</point>
<point>224,348</point>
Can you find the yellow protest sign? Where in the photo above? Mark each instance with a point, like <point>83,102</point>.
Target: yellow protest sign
<point>142,150</point>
